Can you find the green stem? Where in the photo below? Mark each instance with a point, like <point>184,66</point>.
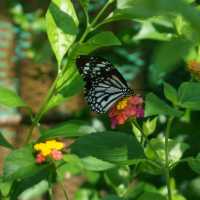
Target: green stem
<point>42,110</point>
<point>50,196</point>
<point>62,185</point>
<point>101,12</point>
<point>91,26</point>
<point>64,191</point>
<point>167,170</point>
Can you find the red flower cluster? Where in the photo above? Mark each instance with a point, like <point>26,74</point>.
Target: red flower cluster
<point>128,107</point>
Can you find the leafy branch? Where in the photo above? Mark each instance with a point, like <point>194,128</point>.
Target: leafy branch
<point>53,90</point>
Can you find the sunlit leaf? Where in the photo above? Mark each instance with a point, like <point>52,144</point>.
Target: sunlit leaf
<point>142,9</point>
<point>176,150</point>
<point>86,194</point>
<point>148,31</point>
<point>4,142</point>
<point>10,99</point>
<point>5,187</point>
<point>149,126</point>
<point>61,24</point>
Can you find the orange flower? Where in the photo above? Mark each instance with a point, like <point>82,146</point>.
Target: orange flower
<point>194,68</point>
<point>128,107</point>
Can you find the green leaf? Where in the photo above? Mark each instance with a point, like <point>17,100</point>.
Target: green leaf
<point>189,95</point>
<point>61,24</point>
<point>151,196</point>
<point>176,49</point>
<point>94,164</point>
<point>170,93</point>
<point>136,132</point>
<point>118,178</point>
<point>142,9</point>
<point>33,179</point>
<point>156,106</point>
<point>176,150</point>
<point>67,129</point>
<point>194,164</point>
<point>86,194</point>
<point>114,147</point>
<point>35,191</point>
<point>87,163</point>
<point>10,99</point>
<point>136,190</point>
<point>68,85</point>
<point>148,31</point>
<point>4,142</point>
<point>151,167</point>
<point>5,187</point>
<point>194,188</point>
<point>103,39</point>
<point>73,166</point>
<point>149,126</point>
<point>20,163</point>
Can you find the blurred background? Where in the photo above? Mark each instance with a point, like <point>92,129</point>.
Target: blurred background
<point>28,66</point>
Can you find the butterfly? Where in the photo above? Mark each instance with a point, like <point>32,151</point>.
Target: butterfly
<point>104,85</point>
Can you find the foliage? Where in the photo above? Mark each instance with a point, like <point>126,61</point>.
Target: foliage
<point>119,158</point>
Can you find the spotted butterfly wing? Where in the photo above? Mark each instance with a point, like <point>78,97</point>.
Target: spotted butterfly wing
<point>104,84</point>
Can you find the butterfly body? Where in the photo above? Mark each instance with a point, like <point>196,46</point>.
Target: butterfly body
<point>104,84</point>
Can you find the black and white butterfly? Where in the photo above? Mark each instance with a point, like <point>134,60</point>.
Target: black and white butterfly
<point>104,85</point>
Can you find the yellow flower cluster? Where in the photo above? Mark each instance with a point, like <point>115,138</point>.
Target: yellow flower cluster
<point>47,147</point>
<point>122,103</point>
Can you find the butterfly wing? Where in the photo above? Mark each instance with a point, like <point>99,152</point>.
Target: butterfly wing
<point>104,84</point>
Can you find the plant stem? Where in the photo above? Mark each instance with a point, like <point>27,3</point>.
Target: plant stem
<point>50,194</point>
<point>91,26</point>
<point>167,170</point>
<point>41,110</point>
<point>101,12</point>
<point>64,191</point>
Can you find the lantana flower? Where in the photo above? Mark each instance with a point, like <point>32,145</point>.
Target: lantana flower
<point>125,108</point>
<point>194,67</point>
<point>50,148</point>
